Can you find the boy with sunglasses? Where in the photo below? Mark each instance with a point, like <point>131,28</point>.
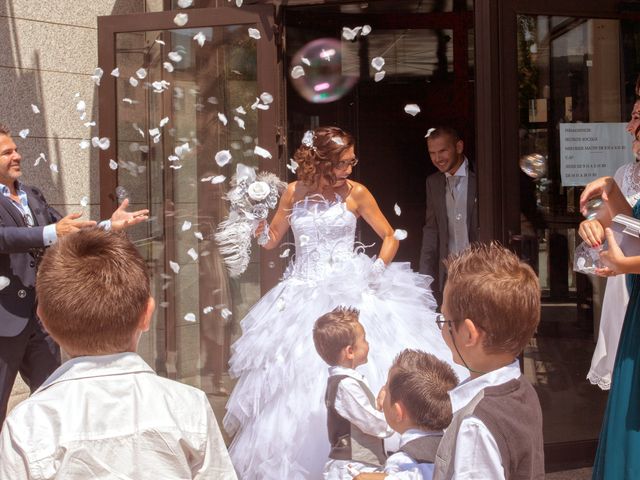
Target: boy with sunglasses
<point>490,312</point>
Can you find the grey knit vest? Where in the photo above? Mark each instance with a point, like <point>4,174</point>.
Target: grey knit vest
<point>423,449</point>
<point>348,442</point>
<point>512,414</point>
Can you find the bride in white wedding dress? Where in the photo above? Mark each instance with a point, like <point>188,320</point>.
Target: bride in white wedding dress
<point>276,411</point>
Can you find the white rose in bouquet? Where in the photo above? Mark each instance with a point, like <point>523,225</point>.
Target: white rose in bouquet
<point>258,191</point>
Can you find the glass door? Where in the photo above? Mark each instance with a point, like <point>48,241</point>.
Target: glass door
<point>171,99</point>
<point>568,95</point>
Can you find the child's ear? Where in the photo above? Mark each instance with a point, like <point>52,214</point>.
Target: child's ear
<point>398,411</point>
<point>348,352</point>
<point>472,335</point>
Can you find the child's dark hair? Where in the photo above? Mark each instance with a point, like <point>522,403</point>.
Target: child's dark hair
<point>421,382</point>
<point>334,331</point>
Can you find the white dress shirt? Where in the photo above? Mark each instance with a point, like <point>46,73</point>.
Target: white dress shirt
<point>353,404</point>
<point>112,417</point>
<point>401,466</point>
<point>456,202</point>
<point>477,455</point>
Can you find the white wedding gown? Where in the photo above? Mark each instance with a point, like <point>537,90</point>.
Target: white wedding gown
<point>276,410</point>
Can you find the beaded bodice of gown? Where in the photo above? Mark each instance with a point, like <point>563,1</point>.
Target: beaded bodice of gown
<point>324,233</point>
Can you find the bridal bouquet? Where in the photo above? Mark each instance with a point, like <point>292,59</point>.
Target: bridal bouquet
<point>250,199</point>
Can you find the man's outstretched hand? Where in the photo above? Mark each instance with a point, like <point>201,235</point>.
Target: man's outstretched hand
<point>122,219</point>
<point>71,224</point>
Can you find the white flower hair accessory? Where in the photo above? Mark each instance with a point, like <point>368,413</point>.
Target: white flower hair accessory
<point>307,139</point>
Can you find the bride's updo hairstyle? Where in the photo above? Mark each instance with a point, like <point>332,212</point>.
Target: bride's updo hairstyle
<point>321,149</point>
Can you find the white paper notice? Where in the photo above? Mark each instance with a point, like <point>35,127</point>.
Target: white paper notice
<point>592,150</point>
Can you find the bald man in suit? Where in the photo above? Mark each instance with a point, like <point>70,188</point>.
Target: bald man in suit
<point>451,221</point>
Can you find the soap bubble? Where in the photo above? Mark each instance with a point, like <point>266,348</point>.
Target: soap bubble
<point>534,165</point>
<point>121,192</point>
<point>324,79</point>
<point>592,208</point>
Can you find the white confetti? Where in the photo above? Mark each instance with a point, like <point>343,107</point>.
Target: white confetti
<point>285,253</point>
<point>396,209</point>
<point>306,61</point>
<point>212,100</point>
<point>174,57</point>
<point>412,109</point>
<point>160,86</point>
<point>174,266</point>
<point>128,100</point>
<point>254,33</point>
<point>141,73</point>
<point>144,148</point>
<point>181,19</point>
<point>175,167</point>
<point>241,111</point>
<point>54,168</point>
<point>225,313</point>
<point>297,72</point>
<point>218,179</point>
<point>266,98</point>
<point>90,124</point>
<point>42,156</point>
<point>207,310</point>
<point>280,303</point>
<point>292,165</point>
<point>337,140</point>
<point>133,81</point>
<point>400,234</point>
<point>239,121</point>
<point>200,38</point>
<point>113,165</point>
<point>377,63</point>
<point>164,304</point>
<point>186,225</point>
<point>193,254</point>
<point>97,75</point>
<point>223,118</point>
<point>154,132</point>
<point>84,144</point>
<point>379,75</point>
<point>350,33</point>
<point>198,235</point>
<point>84,201</point>
<point>223,157</point>
<point>164,121</point>
<point>115,72</point>
<point>35,109</point>
<point>185,3</point>
<point>101,143</point>
<point>429,132</point>
<point>190,317</point>
<point>81,106</point>
<point>182,149</point>
<point>366,30</point>
<point>261,152</point>
<point>4,282</point>
<point>160,42</point>
<point>24,133</point>
<point>168,66</point>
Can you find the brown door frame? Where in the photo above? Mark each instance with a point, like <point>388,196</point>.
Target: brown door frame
<point>497,123</point>
<point>261,16</point>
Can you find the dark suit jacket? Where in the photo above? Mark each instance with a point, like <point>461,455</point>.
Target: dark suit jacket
<point>20,247</point>
<point>435,235</point>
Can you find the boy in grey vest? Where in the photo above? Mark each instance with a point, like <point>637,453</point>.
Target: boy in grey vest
<point>490,312</point>
<point>416,404</point>
<point>356,428</point>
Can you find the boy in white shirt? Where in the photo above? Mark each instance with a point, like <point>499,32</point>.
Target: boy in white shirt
<point>490,312</point>
<point>105,413</point>
<point>416,404</point>
<point>356,428</point>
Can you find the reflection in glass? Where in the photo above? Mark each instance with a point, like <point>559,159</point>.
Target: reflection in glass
<point>181,97</point>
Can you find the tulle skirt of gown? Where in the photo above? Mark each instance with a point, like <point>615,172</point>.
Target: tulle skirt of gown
<point>276,411</point>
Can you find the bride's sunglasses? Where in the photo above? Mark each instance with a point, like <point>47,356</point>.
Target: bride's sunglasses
<point>343,164</point>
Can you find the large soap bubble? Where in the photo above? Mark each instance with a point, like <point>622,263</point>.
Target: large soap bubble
<point>318,73</point>
<point>534,165</point>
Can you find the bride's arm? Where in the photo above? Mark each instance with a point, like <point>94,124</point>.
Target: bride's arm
<point>369,210</point>
<point>280,223</point>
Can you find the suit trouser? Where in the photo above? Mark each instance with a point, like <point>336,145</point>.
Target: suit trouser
<point>33,353</point>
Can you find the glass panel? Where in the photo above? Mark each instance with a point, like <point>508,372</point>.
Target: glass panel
<point>570,103</point>
<point>169,169</point>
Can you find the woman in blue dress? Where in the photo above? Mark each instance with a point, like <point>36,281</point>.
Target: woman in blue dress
<point>618,455</point>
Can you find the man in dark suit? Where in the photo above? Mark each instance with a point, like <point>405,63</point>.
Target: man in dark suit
<point>28,224</point>
<point>452,205</point>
